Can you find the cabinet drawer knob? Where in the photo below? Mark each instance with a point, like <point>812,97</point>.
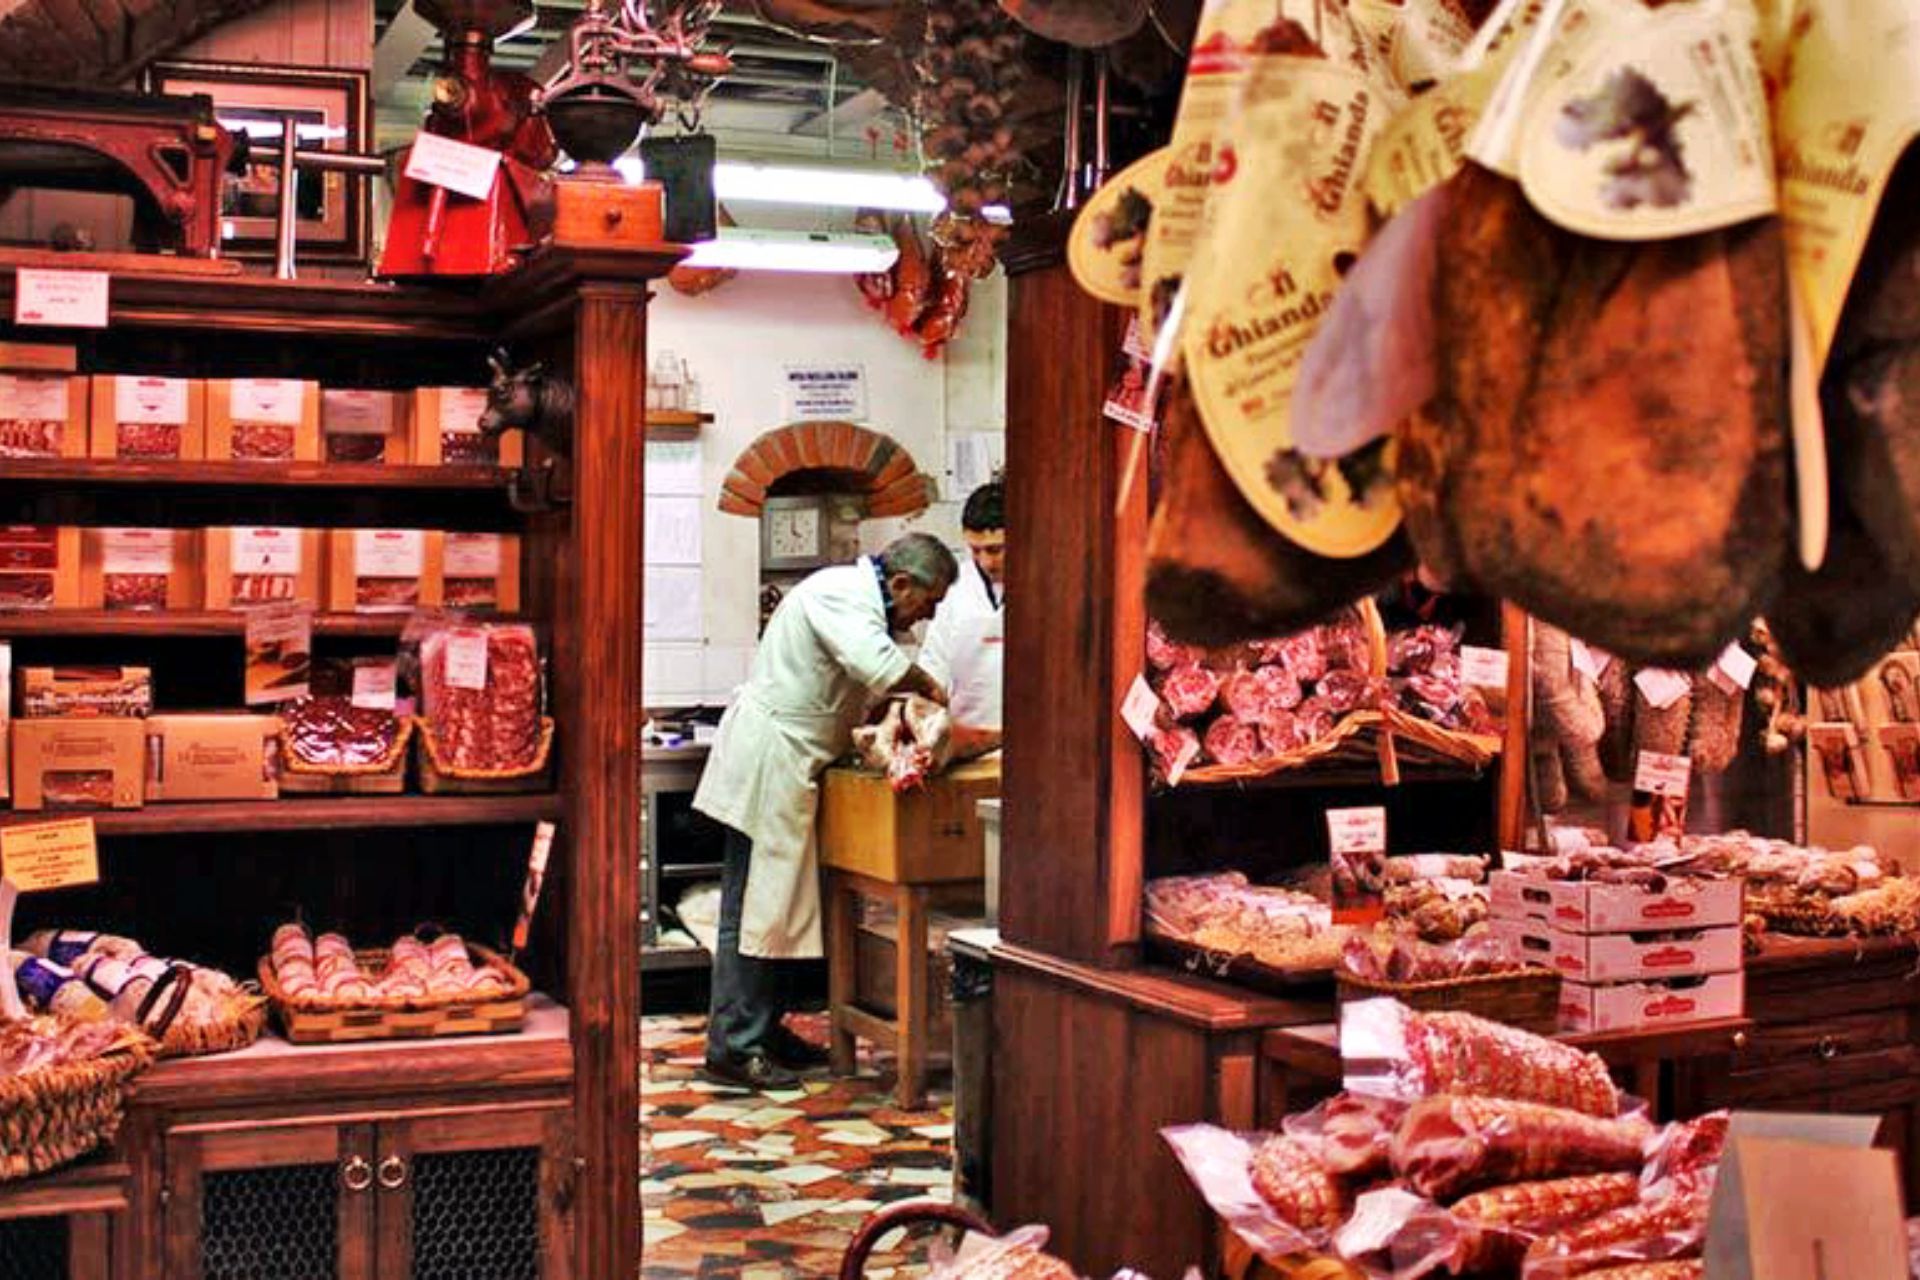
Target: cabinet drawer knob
<point>393,1173</point>
<point>1739,1042</point>
<point>356,1174</point>
<point>1828,1048</point>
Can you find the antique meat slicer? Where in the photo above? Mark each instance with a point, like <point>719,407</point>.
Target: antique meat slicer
<point>623,66</point>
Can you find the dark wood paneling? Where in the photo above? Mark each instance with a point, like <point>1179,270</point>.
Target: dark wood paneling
<point>1064,778</point>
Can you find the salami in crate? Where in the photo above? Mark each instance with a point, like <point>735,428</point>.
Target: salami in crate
<point>446,429</point>
<point>263,420</point>
<point>482,726</point>
<point>148,418</point>
<point>43,403</point>
<point>365,426</point>
<point>39,567</point>
<point>383,570</point>
<point>140,569</point>
<point>257,564</point>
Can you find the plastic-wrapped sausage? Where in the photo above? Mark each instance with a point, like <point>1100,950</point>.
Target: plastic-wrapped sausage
<point>1489,1230</point>
<point>1291,1179</point>
<point>1450,1145</point>
<point>1657,1230</point>
<point>1400,1053</point>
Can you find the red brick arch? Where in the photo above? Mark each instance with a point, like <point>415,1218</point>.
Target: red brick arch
<point>867,462</point>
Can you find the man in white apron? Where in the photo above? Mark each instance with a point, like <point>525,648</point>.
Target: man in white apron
<point>827,654</point>
<point>965,642</point>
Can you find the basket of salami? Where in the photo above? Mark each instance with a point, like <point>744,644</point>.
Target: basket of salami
<point>323,990</point>
<point>1478,974</point>
<point>481,729</point>
<point>331,747</point>
<point>63,1088</point>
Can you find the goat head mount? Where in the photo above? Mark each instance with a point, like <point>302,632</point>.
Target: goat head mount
<point>530,398</point>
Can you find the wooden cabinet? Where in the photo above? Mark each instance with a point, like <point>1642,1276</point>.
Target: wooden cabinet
<point>428,1196</point>
<point>63,1226</point>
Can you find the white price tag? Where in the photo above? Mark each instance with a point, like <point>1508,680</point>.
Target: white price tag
<point>467,659</point>
<point>461,409</point>
<point>76,299</point>
<point>1357,830</point>
<point>1483,668</point>
<point>356,413</point>
<point>34,397</point>
<point>1140,708</point>
<point>266,551</point>
<point>473,555</point>
<point>136,551</point>
<point>373,683</point>
<point>277,401</point>
<point>1662,775</point>
<point>158,401</point>
<point>1455,889</point>
<point>1662,688</point>
<point>1734,669</point>
<point>1589,661</point>
<point>458,166</point>
<point>388,553</point>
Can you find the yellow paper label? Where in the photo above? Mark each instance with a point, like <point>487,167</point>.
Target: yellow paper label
<point>50,855</point>
<point>1645,125</point>
<point>1433,36</point>
<point>1283,225</point>
<point>1849,105</point>
<point>1110,235</point>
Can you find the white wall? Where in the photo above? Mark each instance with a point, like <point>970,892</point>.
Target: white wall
<point>736,340</point>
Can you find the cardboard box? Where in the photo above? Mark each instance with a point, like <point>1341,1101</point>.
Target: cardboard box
<point>74,692</point>
<point>1583,907</point>
<point>140,569</point>
<point>927,836</point>
<point>366,426</point>
<point>212,756</point>
<point>382,570</point>
<point>1624,957</point>
<point>264,565</point>
<point>43,413</point>
<point>94,763</point>
<point>263,420</point>
<point>139,417</point>
<point>477,570</point>
<point>1628,1006</point>
<point>39,567</point>
<point>446,430</point>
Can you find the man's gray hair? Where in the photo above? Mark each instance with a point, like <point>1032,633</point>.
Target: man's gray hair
<point>922,557</point>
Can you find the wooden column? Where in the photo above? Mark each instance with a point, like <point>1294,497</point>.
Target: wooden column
<point>1074,785</point>
<point>597,674</point>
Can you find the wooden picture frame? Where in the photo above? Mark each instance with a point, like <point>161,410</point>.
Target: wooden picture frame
<point>333,103</point>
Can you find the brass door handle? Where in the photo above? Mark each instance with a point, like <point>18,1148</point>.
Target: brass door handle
<point>1828,1048</point>
<point>393,1173</point>
<point>1739,1042</point>
<point>356,1174</point>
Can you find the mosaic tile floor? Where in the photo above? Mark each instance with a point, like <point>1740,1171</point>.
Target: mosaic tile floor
<point>746,1186</point>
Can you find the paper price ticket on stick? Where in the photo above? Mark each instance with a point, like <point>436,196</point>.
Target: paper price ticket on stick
<point>530,892</point>
<point>1357,840</point>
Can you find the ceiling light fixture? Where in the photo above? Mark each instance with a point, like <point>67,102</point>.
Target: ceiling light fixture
<point>833,253</point>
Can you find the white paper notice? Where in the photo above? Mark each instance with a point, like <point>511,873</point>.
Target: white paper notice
<point>1662,775</point>
<point>388,553</point>
<point>1734,669</point>
<point>1588,660</point>
<point>150,400</point>
<point>34,397</point>
<point>1483,668</point>
<point>673,530</point>
<point>136,551</point>
<point>356,413</point>
<point>1662,688</point>
<point>1357,830</point>
<point>1140,707</point>
<point>458,166</point>
<point>826,392</point>
<point>277,401</point>
<point>273,551</point>
<point>673,603</point>
<point>373,683</point>
<point>467,659</point>
<point>972,458</point>
<point>77,299</point>
<point>472,555</point>
<point>461,409</point>
<point>673,468</point>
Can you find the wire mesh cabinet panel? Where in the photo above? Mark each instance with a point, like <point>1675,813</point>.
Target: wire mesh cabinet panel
<point>476,1193</point>
<point>270,1202</point>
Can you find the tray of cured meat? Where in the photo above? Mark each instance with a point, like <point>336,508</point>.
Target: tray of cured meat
<point>1221,926</point>
<point>331,747</point>
<point>323,990</point>
<point>481,729</point>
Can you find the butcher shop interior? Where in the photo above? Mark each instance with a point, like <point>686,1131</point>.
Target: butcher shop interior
<point>515,763</point>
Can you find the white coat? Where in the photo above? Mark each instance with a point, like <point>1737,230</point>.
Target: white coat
<point>963,648</point>
<point>826,655</point>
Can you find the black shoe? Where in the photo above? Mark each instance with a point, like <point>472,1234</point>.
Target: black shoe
<point>795,1053</point>
<point>755,1069</point>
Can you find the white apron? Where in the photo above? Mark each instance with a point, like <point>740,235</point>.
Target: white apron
<point>825,656</point>
<point>964,620</point>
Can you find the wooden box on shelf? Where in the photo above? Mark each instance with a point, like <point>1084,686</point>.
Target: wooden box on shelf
<point>148,418</point>
<point>39,567</point>
<point>382,570</point>
<point>927,835</point>
<point>263,420</point>
<point>261,564</point>
<point>366,426</point>
<point>103,756</point>
<point>140,569</point>
<point>212,756</point>
<point>43,403</point>
<point>477,570</point>
<point>446,430</point>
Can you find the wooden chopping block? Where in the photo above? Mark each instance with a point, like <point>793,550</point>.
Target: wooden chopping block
<point>931,835</point>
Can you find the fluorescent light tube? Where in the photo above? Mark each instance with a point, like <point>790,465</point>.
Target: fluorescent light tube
<point>828,253</point>
<point>825,188</point>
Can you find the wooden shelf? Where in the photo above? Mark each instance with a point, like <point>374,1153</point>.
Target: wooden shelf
<point>258,475</point>
<point>98,1185</point>
<point>1334,775</point>
<point>16,625</point>
<point>318,813</point>
<point>682,419</point>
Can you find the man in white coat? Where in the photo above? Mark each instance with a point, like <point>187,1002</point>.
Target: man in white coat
<point>966,640</point>
<point>827,654</point>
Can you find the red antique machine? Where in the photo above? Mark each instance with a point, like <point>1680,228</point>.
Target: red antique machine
<point>434,231</point>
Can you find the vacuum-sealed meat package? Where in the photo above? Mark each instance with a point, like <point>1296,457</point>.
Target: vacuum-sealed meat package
<point>1450,1144</point>
<point>1392,1051</point>
<point>481,696</point>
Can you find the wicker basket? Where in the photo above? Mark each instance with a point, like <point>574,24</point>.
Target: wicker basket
<point>439,778</point>
<point>242,1024</point>
<point>1526,998</point>
<point>385,776</point>
<point>58,1114</point>
<point>1241,970</point>
<point>317,1019</point>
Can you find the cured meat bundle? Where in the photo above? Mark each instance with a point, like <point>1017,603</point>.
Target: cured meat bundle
<point>1296,1185</point>
<point>1450,1145</point>
<point>1422,1054</point>
<point>1491,1226</point>
<point>1654,1230</point>
<point>1607,446</point>
<point>1350,1133</point>
<point>496,726</point>
<point>330,730</point>
<point>1217,572</point>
